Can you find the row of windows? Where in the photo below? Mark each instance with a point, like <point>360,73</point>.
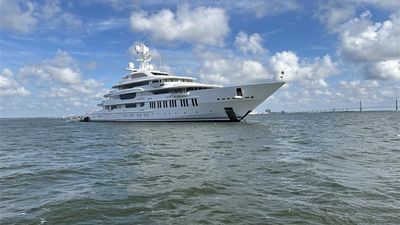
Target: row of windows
<point>173,103</point>
<point>164,91</point>
<point>134,105</point>
<point>178,90</point>
<point>129,105</point>
<point>126,86</point>
<point>157,104</point>
<point>232,98</point>
<point>172,80</point>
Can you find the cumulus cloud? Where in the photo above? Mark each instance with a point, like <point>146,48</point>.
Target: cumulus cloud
<point>234,70</point>
<point>62,69</point>
<point>361,40</point>
<point>202,25</point>
<point>302,70</point>
<point>24,16</point>
<point>369,90</point>
<point>17,16</point>
<point>334,13</point>
<point>249,43</point>
<point>385,70</point>
<point>9,86</point>
<point>64,74</point>
<point>220,69</point>
<point>370,45</point>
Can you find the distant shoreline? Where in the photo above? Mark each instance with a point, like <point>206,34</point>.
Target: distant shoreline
<point>252,114</point>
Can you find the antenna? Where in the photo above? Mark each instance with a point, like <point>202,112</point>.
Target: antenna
<point>144,56</point>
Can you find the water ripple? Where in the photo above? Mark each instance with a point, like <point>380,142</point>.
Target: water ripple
<point>328,168</point>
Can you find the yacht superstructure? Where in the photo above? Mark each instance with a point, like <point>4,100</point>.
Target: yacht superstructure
<point>146,94</point>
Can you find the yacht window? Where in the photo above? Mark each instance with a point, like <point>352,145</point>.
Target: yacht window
<point>138,75</point>
<point>127,96</point>
<point>113,107</point>
<point>159,74</point>
<point>187,102</point>
<point>141,104</point>
<point>239,91</point>
<point>132,85</point>
<point>195,100</point>
<point>131,105</point>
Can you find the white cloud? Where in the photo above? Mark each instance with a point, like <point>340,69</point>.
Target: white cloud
<point>9,86</point>
<point>64,76</point>
<point>249,43</point>
<point>391,5</point>
<point>261,8</point>
<point>202,25</point>
<point>62,69</point>
<point>107,24</point>
<point>50,9</point>
<point>361,40</point>
<point>302,70</point>
<point>24,16</point>
<point>70,20</point>
<point>17,16</point>
<point>219,69</point>
<point>334,13</point>
<point>233,70</point>
<point>254,8</point>
<point>370,90</point>
<point>385,70</point>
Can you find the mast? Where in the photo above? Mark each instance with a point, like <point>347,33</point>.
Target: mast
<point>144,56</point>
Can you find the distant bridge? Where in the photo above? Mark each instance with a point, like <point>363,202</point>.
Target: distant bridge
<point>361,107</point>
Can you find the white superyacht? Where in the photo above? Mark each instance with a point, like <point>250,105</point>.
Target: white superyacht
<point>146,94</point>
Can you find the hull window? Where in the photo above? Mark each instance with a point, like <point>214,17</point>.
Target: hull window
<point>239,92</point>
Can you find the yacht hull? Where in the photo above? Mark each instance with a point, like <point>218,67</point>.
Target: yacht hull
<point>218,104</point>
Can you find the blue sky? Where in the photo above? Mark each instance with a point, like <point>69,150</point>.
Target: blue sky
<point>59,57</point>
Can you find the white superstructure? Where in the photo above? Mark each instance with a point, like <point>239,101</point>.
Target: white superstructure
<point>146,94</point>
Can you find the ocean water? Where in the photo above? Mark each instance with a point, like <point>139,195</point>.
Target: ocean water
<point>321,168</point>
